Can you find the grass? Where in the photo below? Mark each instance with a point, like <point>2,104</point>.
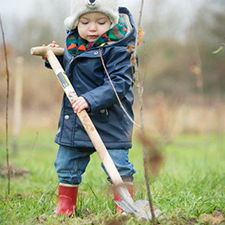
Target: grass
<point>191,183</point>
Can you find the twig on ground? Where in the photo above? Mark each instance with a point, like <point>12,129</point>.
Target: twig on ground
<point>7,106</point>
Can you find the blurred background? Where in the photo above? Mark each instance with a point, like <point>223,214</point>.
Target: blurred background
<point>184,82</point>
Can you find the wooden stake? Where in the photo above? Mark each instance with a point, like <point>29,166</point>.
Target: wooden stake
<point>17,117</point>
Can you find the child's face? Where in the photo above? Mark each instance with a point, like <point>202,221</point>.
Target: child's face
<point>93,25</point>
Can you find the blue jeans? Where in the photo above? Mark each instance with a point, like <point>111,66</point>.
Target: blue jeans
<point>71,163</point>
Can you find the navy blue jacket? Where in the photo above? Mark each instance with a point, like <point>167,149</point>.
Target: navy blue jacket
<point>88,77</point>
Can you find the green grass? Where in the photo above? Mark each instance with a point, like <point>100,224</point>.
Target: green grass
<point>191,182</point>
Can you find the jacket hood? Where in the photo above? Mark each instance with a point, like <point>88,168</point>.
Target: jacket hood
<point>130,37</point>
<point>131,31</point>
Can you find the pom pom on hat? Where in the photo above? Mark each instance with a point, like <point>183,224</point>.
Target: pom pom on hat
<point>80,7</point>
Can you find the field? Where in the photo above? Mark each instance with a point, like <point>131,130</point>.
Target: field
<point>183,101</point>
<point>189,188</point>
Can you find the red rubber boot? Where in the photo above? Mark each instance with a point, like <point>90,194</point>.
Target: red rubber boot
<point>129,186</point>
<point>67,199</point>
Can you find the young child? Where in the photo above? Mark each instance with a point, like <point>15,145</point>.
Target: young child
<point>94,26</point>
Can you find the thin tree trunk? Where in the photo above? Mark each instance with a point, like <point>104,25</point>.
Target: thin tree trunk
<point>7,106</point>
<point>140,88</point>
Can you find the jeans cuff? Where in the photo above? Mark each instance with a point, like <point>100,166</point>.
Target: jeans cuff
<point>127,178</point>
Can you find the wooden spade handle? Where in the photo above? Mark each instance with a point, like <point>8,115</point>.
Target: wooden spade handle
<point>83,116</point>
<point>42,51</point>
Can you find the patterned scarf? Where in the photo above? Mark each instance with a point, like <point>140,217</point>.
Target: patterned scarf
<point>76,45</point>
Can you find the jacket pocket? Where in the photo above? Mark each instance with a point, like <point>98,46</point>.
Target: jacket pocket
<point>67,128</point>
<point>101,116</point>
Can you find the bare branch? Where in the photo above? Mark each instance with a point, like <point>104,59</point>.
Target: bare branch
<point>117,96</point>
<point>140,13</point>
<point>7,106</point>
<point>140,83</point>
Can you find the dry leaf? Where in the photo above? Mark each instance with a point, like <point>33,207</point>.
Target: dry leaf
<point>40,219</point>
<point>114,222</point>
<point>215,218</point>
<point>5,73</point>
<point>196,70</point>
<point>140,35</point>
<point>132,60</point>
<point>130,48</point>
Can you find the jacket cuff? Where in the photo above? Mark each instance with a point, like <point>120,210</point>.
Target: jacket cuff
<point>60,59</point>
<point>47,64</point>
<point>89,105</point>
<point>91,102</point>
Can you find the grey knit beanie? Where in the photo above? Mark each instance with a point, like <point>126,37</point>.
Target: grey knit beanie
<point>80,7</point>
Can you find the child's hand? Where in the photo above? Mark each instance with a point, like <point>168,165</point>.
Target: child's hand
<point>79,104</point>
<point>52,45</point>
